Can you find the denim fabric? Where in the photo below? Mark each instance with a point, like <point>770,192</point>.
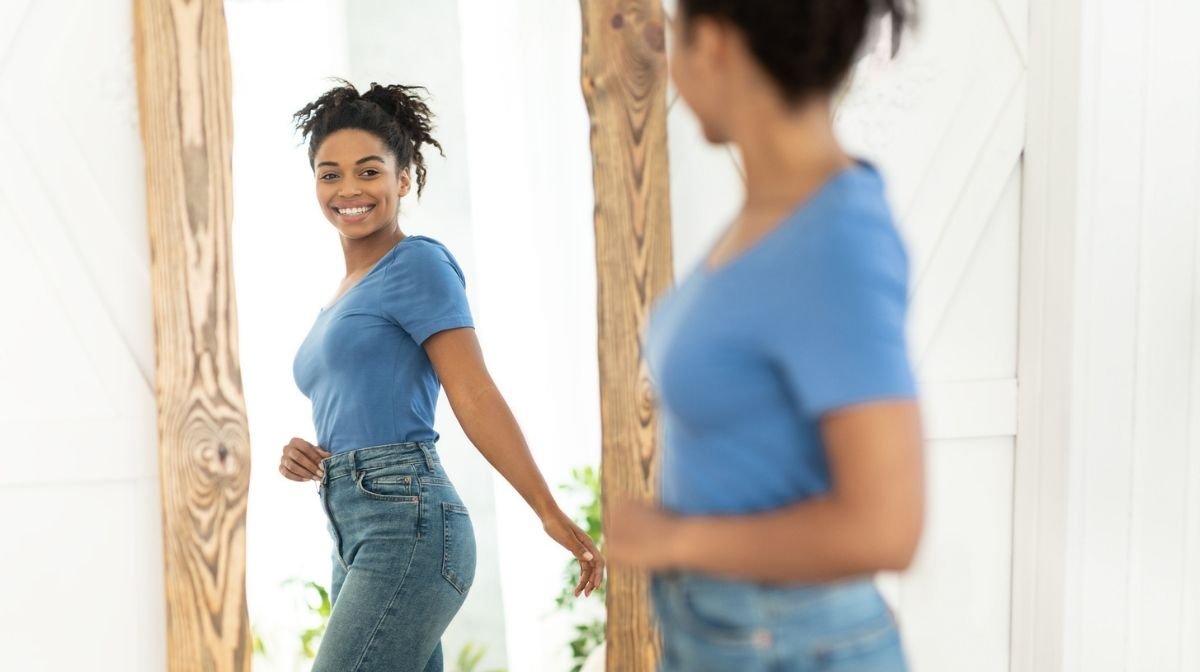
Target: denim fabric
<point>715,625</point>
<point>403,559</point>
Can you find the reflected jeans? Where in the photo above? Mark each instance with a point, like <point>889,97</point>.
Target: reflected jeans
<point>403,559</point>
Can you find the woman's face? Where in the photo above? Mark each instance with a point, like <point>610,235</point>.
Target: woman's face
<point>359,185</point>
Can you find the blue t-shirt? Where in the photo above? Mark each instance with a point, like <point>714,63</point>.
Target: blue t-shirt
<point>363,365</point>
<point>748,357</point>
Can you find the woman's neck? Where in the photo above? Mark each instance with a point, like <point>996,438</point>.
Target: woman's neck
<point>788,152</point>
<point>362,253</point>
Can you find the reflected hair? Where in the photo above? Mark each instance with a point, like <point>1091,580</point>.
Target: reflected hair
<point>396,114</point>
<point>806,46</point>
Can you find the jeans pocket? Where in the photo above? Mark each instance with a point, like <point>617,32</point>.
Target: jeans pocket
<point>876,648</point>
<point>458,547</point>
<point>386,485</point>
<point>722,612</point>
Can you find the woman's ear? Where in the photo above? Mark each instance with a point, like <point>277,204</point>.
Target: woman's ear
<point>405,182</point>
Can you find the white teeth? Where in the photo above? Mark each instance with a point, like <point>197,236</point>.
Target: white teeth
<point>354,212</point>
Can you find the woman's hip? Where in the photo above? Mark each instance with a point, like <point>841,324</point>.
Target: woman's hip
<point>393,509</point>
<point>715,624</point>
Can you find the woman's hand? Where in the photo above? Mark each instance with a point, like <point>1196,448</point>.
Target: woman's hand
<point>571,537</point>
<point>642,536</point>
<point>301,461</point>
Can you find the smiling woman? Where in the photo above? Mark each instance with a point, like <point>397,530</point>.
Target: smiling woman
<point>398,329</point>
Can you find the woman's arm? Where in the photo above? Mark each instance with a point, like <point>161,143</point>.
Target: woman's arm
<point>490,425</point>
<point>870,520</point>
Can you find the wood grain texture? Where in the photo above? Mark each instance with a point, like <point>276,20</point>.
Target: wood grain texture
<point>624,73</point>
<point>184,89</point>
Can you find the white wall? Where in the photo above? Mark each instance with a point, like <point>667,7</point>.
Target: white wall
<point>82,558</point>
<point>1132,543</point>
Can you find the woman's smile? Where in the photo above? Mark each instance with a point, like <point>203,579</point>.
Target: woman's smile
<point>352,213</point>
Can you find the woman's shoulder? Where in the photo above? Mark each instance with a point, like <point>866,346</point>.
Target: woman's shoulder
<point>850,232</point>
<point>421,255</point>
<point>419,249</point>
<point>417,245</point>
<point>856,217</point>
<point>857,204</point>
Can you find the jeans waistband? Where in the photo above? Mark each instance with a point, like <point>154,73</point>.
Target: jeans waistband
<point>348,462</point>
<point>861,590</point>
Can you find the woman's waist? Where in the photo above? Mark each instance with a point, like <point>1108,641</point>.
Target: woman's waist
<point>422,456</point>
<point>838,602</point>
<point>343,435</point>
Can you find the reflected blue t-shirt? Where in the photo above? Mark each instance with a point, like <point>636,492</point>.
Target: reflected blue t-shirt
<point>748,357</point>
<point>363,365</point>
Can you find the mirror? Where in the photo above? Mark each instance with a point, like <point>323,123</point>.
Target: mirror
<point>512,200</point>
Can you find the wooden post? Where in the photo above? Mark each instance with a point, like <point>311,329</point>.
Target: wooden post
<point>184,92</point>
<point>624,74</point>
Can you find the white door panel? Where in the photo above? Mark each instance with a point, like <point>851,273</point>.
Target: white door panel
<point>954,602</point>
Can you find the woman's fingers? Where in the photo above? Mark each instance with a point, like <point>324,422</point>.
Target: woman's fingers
<point>582,555</point>
<point>302,459</point>
<point>587,547</point>
<point>584,577</point>
<point>571,537</point>
<point>302,463</point>
<point>314,452</point>
<point>591,563</point>
<point>597,574</point>
<point>291,473</point>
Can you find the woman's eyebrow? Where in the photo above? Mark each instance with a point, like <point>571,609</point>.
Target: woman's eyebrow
<point>361,161</point>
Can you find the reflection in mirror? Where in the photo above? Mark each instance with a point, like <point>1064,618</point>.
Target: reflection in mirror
<point>512,207</point>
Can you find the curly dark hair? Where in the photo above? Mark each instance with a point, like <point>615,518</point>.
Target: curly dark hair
<point>806,46</point>
<point>396,114</point>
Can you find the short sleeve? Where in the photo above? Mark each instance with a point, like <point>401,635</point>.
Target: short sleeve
<point>841,339</point>
<point>424,291</point>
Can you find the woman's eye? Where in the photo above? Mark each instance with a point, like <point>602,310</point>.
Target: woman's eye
<point>370,172</point>
<point>328,176</point>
